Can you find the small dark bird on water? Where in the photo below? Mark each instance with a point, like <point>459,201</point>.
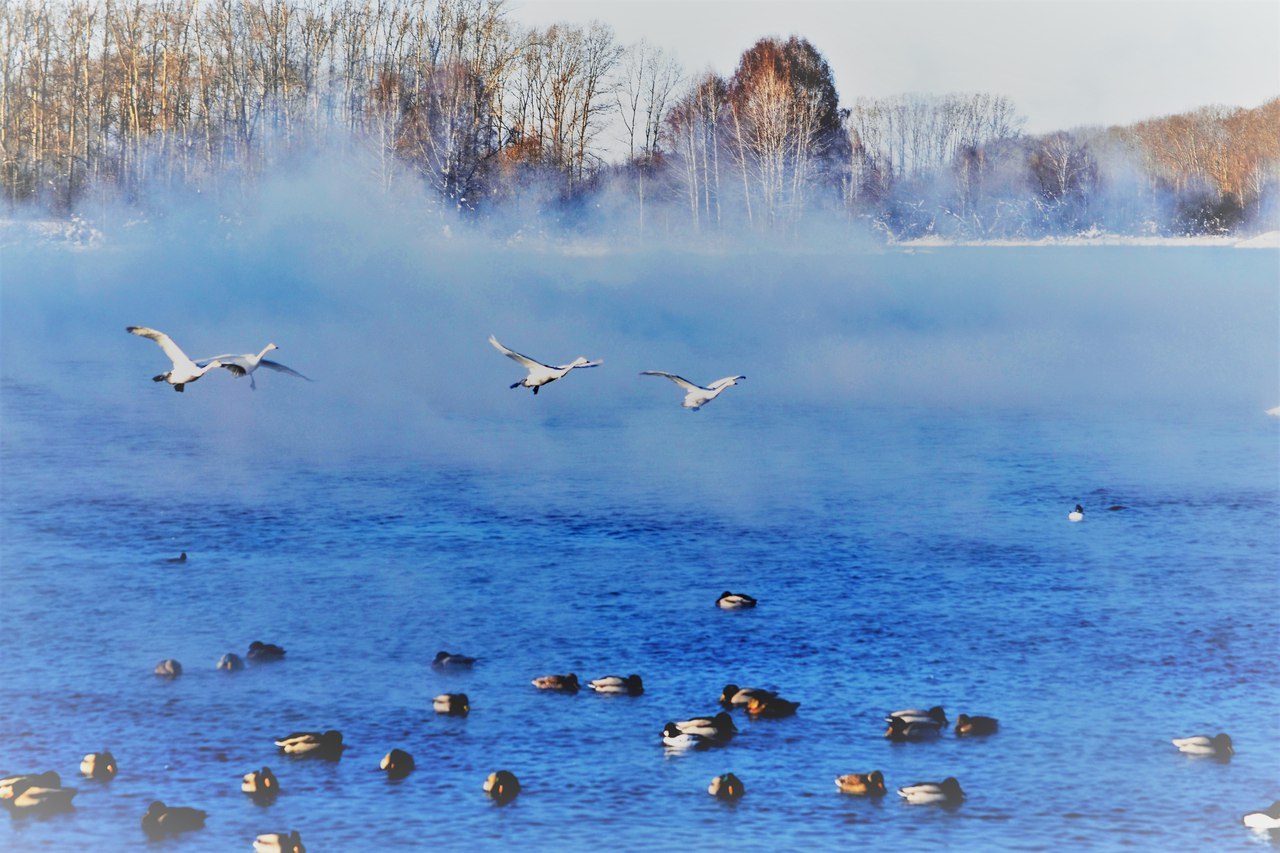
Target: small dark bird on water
<point>181,558</point>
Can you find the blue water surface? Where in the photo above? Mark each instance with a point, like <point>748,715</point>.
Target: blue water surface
<point>891,481</point>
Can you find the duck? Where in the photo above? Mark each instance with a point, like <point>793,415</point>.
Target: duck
<point>631,685</point>
<point>915,715</point>
<point>260,652</point>
<point>453,704</point>
<point>161,820</point>
<point>261,784</point>
<point>696,396</point>
<point>772,707</point>
<point>397,763</point>
<point>719,727</point>
<point>733,695</point>
<point>99,765</point>
<point>279,842</point>
<point>925,793</point>
<point>1265,820</point>
<point>1076,514</point>
<point>734,601</point>
<point>181,558</point>
<point>231,662</point>
<point>673,738</point>
<point>244,364</point>
<point>967,726</point>
<point>561,683</point>
<point>184,370</point>
<point>48,779</point>
<point>34,794</point>
<point>862,784</point>
<point>901,730</point>
<point>318,744</point>
<point>168,668</point>
<point>541,374</point>
<point>1218,746</point>
<point>726,787</point>
<point>502,786</point>
<point>444,660</point>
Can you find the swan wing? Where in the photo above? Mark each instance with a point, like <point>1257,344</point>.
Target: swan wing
<point>175,353</point>
<point>679,380</point>
<point>581,363</point>
<point>275,365</point>
<point>515,356</point>
<point>728,380</point>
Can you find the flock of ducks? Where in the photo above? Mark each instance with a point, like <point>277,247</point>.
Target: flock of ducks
<point>44,792</point>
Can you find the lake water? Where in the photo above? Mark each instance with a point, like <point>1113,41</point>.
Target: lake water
<point>891,481</point>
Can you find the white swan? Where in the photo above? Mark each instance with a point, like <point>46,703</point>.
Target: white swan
<point>697,396</point>
<point>184,370</point>
<point>245,364</point>
<point>540,374</point>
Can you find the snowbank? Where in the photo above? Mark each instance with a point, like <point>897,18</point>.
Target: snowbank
<point>1268,240</point>
<point>73,233</point>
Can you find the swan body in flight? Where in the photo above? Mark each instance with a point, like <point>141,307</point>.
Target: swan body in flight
<point>184,370</point>
<point>245,364</point>
<point>540,374</point>
<point>696,396</point>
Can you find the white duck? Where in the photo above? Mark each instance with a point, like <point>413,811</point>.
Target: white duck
<point>696,396</point>
<point>244,364</point>
<point>184,370</point>
<point>540,374</point>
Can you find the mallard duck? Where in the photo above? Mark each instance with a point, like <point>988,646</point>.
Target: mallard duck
<point>502,786</point>
<point>397,763</point>
<point>774,706</point>
<point>32,794</point>
<point>184,370</point>
<point>540,374</point>
<point>924,793</point>
<point>161,820</point>
<point>230,662</point>
<point>900,729</point>
<point>972,726</point>
<point>631,685</point>
<point>673,738</point>
<point>1266,820</point>
<point>1076,514</point>
<point>168,668</point>
<point>561,683</point>
<point>48,779</point>
<point>454,704</point>
<point>726,787</point>
<point>260,652</point>
<point>915,715</point>
<point>1218,746</point>
<point>314,744</point>
<point>719,727</point>
<point>279,842</point>
<point>99,765</point>
<point>733,695</point>
<point>444,660</point>
<point>260,784</point>
<point>862,784</point>
<point>734,601</point>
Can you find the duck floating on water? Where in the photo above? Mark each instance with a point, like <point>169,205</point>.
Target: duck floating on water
<point>279,842</point>
<point>719,727</point>
<point>560,683</point>
<point>735,601</point>
<point>312,744</point>
<point>397,763</point>
<point>734,696</point>
<point>445,660</point>
<point>47,779</point>
<point>260,652</point>
<point>726,787</point>
<point>1218,746</point>
<point>967,726</point>
<point>772,707</point>
<point>1265,820</point>
<point>927,793</point>
<point>901,730</point>
<point>862,784</point>
<point>453,704</point>
<point>230,662</point>
<point>161,820</point>
<point>1076,514</point>
<point>616,684</point>
<point>168,668</point>
<point>262,785</point>
<point>673,738</point>
<point>99,765</point>
<point>502,786</point>
<point>934,715</point>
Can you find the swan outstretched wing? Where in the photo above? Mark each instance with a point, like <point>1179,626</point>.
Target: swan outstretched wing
<point>728,380</point>
<point>175,353</point>
<point>275,365</point>
<point>515,356</point>
<point>582,363</point>
<point>679,380</point>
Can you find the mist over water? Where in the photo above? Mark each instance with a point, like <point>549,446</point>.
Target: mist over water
<point>891,479</point>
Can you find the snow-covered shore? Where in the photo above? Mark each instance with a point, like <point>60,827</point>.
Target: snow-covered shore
<point>1267,240</point>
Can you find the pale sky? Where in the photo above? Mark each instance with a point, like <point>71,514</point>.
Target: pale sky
<point>1064,63</point>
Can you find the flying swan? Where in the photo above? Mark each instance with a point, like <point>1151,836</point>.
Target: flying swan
<point>540,374</point>
<point>245,364</point>
<point>697,395</point>
<point>184,370</point>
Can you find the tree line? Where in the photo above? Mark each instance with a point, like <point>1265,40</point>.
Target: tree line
<point>123,98</point>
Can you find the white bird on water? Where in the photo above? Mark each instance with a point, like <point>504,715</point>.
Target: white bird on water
<point>184,370</point>
<point>697,396</point>
<point>540,374</point>
<point>245,364</point>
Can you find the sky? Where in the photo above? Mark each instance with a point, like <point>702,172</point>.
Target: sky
<point>1064,63</point>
